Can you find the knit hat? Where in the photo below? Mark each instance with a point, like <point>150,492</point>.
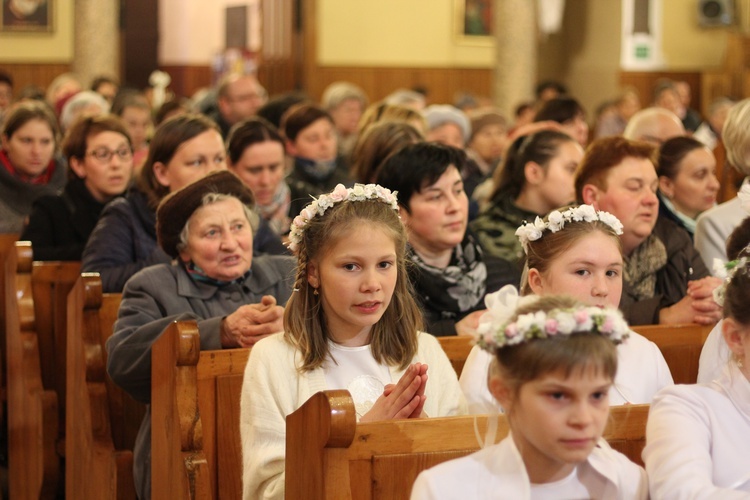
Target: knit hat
<point>440,114</point>
<point>484,117</point>
<point>175,209</point>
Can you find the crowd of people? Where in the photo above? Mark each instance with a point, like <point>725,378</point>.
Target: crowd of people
<point>338,238</point>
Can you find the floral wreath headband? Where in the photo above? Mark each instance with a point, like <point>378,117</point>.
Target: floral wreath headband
<point>556,221</point>
<point>360,192</point>
<point>727,271</point>
<point>496,329</point>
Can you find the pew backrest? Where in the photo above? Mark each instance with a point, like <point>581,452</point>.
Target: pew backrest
<point>195,397</point>
<point>681,347</point>
<point>330,456</point>
<point>457,349</point>
<point>102,420</point>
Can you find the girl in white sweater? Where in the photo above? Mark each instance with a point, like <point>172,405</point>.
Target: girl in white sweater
<point>698,436</point>
<point>352,324</point>
<point>553,364</point>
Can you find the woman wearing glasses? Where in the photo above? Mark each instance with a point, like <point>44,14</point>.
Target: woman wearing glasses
<point>29,168</point>
<point>100,160</point>
<point>183,150</point>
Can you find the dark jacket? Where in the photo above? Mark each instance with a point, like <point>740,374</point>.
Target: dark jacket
<point>59,226</point>
<point>666,213</point>
<point>684,264</point>
<point>123,241</point>
<point>159,295</point>
<point>303,183</point>
<point>496,227</point>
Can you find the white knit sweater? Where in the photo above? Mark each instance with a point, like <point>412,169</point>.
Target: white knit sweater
<point>273,388</point>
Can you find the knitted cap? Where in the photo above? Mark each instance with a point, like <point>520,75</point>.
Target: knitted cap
<point>440,114</point>
<point>175,209</point>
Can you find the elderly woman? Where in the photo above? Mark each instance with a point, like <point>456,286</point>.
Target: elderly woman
<point>100,161</point>
<point>207,227</point>
<point>28,166</point>
<point>451,273</point>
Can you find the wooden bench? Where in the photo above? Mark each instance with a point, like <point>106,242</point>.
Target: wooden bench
<point>195,415</point>
<point>102,421</point>
<point>33,419</point>
<point>681,346</point>
<point>330,456</point>
<point>7,243</point>
<point>457,349</point>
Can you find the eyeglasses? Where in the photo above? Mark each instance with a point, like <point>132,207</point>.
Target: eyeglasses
<point>105,155</point>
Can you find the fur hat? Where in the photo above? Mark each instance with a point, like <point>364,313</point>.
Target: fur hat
<point>175,209</point>
<point>440,114</point>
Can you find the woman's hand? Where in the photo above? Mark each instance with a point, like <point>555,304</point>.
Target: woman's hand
<point>469,323</point>
<point>251,322</point>
<point>404,399</point>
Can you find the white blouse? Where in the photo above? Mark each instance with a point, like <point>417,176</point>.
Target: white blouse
<point>698,439</point>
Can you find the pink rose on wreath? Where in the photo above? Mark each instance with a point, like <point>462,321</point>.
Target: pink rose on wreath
<point>550,326</point>
<point>609,325</point>
<point>511,330</point>
<point>581,316</point>
<point>488,338</point>
<point>339,193</point>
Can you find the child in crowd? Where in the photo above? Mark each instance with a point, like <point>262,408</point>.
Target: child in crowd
<point>575,252</point>
<point>697,436</point>
<point>554,362</point>
<point>352,324</point>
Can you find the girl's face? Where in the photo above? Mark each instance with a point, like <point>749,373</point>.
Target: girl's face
<point>261,168</point>
<point>31,147</point>
<point>316,142</point>
<point>108,178</point>
<point>138,123</point>
<point>557,420</point>
<point>355,279</point>
<point>489,142</point>
<point>557,187</point>
<point>590,271</point>
<point>695,186</point>
<point>220,240</point>
<point>192,160</point>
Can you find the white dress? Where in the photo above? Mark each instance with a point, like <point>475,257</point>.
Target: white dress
<point>698,440</point>
<point>272,388</point>
<point>715,355</point>
<point>641,373</point>
<point>498,472</point>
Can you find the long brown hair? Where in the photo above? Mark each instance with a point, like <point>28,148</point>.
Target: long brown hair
<point>394,337</point>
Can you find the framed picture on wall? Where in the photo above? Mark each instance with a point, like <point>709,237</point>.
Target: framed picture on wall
<point>473,21</point>
<point>27,15</point>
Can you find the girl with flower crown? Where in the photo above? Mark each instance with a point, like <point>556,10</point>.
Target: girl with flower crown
<point>554,361</point>
<point>352,324</point>
<point>698,436</point>
<point>573,252</point>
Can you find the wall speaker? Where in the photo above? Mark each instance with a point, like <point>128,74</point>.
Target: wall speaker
<point>715,12</point>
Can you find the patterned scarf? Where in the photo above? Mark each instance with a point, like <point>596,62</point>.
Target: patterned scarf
<point>277,212</point>
<point>199,275</point>
<point>458,288</point>
<point>319,170</point>
<point>641,267</point>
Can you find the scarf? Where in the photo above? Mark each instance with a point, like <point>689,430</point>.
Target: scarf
<point>460,287</point>
<point>42,178</point>
<point>277,212</point>
<point>199,275</point>
<point>319,170</point>
<point>641,266</point>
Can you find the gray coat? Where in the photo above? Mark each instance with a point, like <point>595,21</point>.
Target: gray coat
<point>161,294</point>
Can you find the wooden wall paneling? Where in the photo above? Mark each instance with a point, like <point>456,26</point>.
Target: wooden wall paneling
<point>186,80</point>
<point>40,74</point>
<point>644,82</point>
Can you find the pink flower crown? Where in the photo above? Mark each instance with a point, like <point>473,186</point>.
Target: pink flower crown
<point>556,220</point>
<point>360,192</point>
<point>495,331</point>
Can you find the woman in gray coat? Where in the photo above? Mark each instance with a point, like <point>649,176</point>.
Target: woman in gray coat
<point>207,227</point>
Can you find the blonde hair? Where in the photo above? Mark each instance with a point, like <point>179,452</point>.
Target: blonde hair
<point>394,337</point>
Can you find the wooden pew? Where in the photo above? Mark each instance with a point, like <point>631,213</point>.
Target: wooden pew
<point>457,349</point>
<point>7,243</point>
<point>681,346</point>
<point>330,456</point>
<point>34,464</point>
<point>102,420</point>
<point>195,411</point>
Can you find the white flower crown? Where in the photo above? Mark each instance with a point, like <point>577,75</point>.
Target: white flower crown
<point>726,271</point>
<point>556,220</point>
<point>496,331</point>
<point>360,192</point>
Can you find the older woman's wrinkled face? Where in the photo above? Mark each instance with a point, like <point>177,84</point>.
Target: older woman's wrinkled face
<point>220,240</point>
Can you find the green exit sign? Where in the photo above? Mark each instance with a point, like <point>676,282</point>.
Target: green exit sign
<point>641,52</point>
